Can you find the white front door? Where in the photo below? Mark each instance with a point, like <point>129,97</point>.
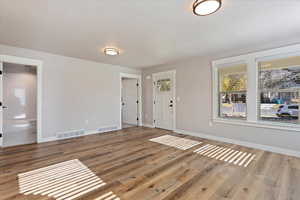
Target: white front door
<point>1,104</point>
<point>164,100</point>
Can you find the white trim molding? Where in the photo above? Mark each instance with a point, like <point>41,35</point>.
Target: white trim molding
<point>148,125</point>
<point>1,108</point>
<point>242,143</point>
<point>48,139</point>
<point>252,61</point>
<point>38,64</point>
<point>140,110</point>
<point>259,124</point>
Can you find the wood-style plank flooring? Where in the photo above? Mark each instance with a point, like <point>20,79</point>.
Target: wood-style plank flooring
<point>136,169</point>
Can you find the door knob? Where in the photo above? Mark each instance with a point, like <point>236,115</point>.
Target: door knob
<point>171,105</point>
<point>4,107</point>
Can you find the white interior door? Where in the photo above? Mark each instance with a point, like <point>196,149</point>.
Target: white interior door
<point>1,104</point>
<point>164,100</point>
<point>130,98</point>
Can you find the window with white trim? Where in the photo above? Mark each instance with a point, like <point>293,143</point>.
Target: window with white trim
<point>279,87</point>
<point>260,89</point>
<point>232,91</point>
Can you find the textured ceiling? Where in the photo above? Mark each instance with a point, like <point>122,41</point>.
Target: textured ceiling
<point>149,33</point>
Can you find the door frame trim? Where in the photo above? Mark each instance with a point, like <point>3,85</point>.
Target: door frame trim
<point>139,78</point>
<point>173,72</point>
<point>38,64</point>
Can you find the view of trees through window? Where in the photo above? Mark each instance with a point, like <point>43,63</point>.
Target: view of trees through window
<point>279,84</point>
<point>232,92</point>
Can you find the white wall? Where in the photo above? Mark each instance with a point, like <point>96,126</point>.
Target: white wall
<point>194,110</point>
<point>75,91</point>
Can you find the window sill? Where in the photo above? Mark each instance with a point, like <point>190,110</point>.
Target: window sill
<point>259,124</point>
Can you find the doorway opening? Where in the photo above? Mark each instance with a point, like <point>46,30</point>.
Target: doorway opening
<point>164,101</point>
<point>20,109</point>
<point>19,104</point>
<point>131,106</point>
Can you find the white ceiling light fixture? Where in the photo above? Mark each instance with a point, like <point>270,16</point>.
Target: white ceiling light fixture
<point>206,7</point>
<point>111,51</point>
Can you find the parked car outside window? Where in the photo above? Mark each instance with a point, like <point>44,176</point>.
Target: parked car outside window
<point>288,111</point>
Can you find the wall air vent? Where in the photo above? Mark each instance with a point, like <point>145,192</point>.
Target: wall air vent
<point>70,134</point>
<point>107,129</point>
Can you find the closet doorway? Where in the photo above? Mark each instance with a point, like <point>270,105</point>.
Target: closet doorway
<point>130,100</point>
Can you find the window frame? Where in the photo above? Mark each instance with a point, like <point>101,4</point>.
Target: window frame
<point>217,78</point>
<point>252,100</point>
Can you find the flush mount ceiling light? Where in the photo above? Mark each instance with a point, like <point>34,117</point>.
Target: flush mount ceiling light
<point>111,51</point>
<point>206,7</point>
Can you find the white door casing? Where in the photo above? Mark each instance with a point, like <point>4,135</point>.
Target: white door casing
<point>1,100</point>
<point>24,61</point>
<point>164,104</point>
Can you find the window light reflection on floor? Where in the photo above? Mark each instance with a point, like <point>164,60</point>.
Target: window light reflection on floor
<point>63,181</point>
<point>225,154</point>
<point>177,142</point>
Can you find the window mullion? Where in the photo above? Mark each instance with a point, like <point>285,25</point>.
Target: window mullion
<point>252,90</point>
<point>215,90</point>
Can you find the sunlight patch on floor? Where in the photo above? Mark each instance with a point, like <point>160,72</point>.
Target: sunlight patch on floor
<point>177,142</point>
<point>63,181</point>
<point>108,196</point>
<point>225,154</point>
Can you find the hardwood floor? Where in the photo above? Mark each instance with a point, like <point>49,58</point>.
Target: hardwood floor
<point>135,168</point>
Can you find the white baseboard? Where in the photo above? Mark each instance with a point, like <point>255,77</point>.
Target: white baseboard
<point>131,123</point>
<point>148,125</point>
<point>242,143</point>
<point>48,139</point>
